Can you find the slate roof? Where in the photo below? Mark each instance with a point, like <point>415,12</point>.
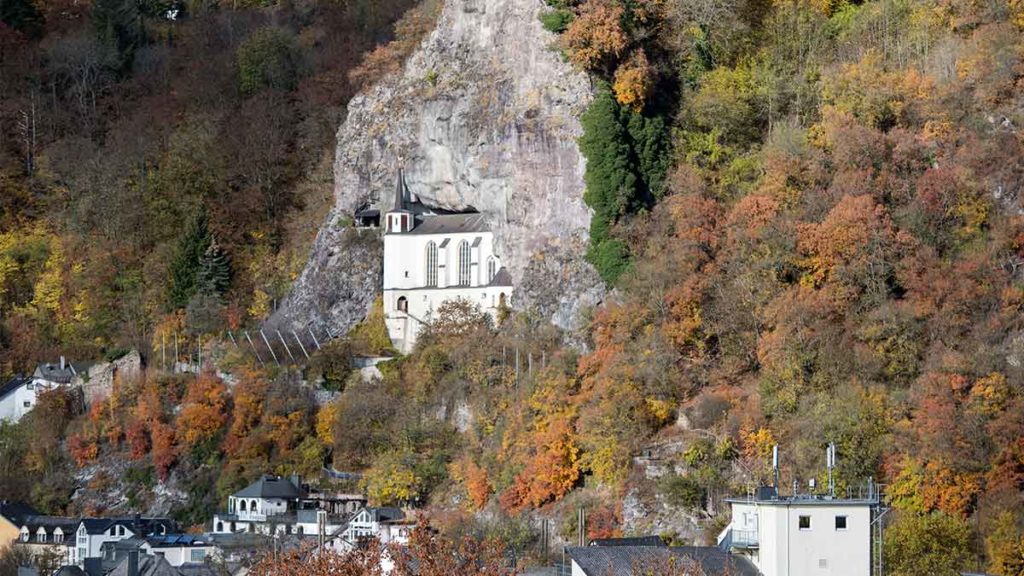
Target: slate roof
<point>501,278</point>
<point>635,541</point>
<point>54,373</point>
<point>623,560</point>
<point>13,384</point>
<point>158,566</point>
<point>400,192</point>
<point>386,514</point>
<point>269,486</point>
<point>177,540</point>
<point>468,223</point>
<point>139,526</point>
<point>16,512</point>
<point>50,523</point>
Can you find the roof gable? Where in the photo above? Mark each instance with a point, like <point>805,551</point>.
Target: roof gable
<point>270,487</point>
<point>13,385</point>
<point>625,560</point>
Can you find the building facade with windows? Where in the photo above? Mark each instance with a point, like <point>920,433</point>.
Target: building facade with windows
<point>19,395</point>
<point>284,505</point>
<point>431,258</point>
<point>802,535</point>
<point>93,533</point>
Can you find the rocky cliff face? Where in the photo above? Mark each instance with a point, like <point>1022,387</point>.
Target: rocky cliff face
<point>485,116</point>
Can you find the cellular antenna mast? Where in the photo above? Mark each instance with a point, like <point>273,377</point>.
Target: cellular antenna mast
<point>830,462</point>
<point>775,464</point>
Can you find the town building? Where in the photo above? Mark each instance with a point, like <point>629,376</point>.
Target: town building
<point>176,549</point>
<point>12,518</point>
<point>386,524</point>
<point>93,533</point>
<point>432,257</point>
<point>804,535</point>
<point>138,564</point>
<point>96,381</point>
<point>619,560</point>
<point>52,536</point>
<point>280,505</point>
<point>20,394</point>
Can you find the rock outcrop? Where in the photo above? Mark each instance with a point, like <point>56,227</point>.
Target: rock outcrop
<point>485,116</point>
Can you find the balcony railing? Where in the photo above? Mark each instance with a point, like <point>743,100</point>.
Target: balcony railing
<point>744,539</point>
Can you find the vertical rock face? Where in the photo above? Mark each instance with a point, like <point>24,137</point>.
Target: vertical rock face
<point>485,116</point>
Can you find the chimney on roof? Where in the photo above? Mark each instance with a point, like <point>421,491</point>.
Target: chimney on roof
<point>133,562</point>
<point>93,566</point>
<point>62,362</point>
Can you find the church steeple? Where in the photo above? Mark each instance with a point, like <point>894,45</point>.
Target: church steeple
<point>400,189</point>
<point>399,219</point>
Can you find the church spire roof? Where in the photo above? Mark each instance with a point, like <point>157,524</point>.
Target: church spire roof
<point>400,190</point>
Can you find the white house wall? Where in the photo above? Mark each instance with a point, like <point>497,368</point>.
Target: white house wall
<point>786,550</point>
<point>405,275</point>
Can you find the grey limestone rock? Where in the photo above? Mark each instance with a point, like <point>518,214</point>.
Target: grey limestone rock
<point>485,115</point>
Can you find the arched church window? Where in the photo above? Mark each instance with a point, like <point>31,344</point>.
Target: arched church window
<point>464,274</point>
<point>241,506</point>
<point>492,269</point>
<point>431,264</point>
<point>403,304</point>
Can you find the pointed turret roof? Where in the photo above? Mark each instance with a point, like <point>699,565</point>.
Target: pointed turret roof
<point>400,192</point>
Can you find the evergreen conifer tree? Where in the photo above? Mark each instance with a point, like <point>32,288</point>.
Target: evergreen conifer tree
<point>611,179</point>
<point>22,15</point>
<point>186,264</point>
<point>214,276</point>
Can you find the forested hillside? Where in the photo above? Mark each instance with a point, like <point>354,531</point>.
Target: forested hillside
<point>138,136</point>
<point>809,213</point>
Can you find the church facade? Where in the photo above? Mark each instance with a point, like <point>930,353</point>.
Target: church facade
<point>431,258</point>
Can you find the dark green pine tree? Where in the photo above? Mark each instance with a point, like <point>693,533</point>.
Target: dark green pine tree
<point>214,271</point>
<point>185,267</point>
<point>22,15</point>
<point>119,25</point>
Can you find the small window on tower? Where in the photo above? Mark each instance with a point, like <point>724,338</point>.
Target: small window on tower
<point>805,522</point>
<point>840,522</point>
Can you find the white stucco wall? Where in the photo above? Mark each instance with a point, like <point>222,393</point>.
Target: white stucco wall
<point>405,276</point>
<point>784,549</point>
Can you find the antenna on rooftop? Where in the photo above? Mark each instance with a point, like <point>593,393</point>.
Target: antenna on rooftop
<point>775,465</point>
<point>830,463</point>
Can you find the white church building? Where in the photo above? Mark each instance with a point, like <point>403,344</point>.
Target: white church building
<point>431,258</point>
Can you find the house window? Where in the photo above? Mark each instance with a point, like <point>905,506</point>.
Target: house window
<point>29,386</point>
<point>403,304</point>
<point>58,537</point>
<point>840,522</point>
<point>464,263</point>
<point>241,506</point>
<point>24,536</point>
<point>198,555</point>
<point>492,269</point>
<point>220,526</point>
<point>28,404</point>
<point>805,522</point>
<point>431,280</point>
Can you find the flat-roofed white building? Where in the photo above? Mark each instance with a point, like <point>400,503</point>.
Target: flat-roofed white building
<point>802,535</point>
<point>431,258</point>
